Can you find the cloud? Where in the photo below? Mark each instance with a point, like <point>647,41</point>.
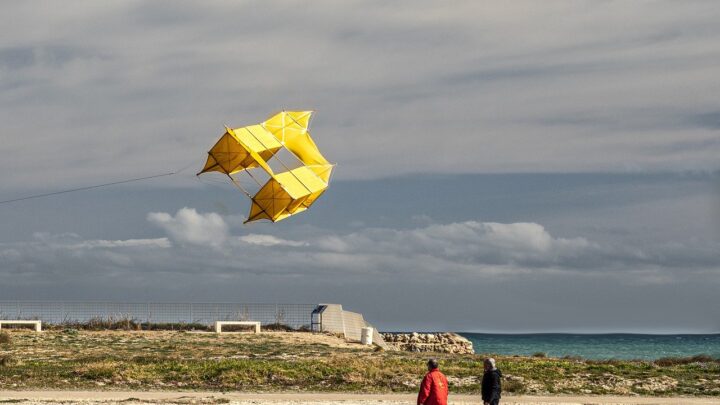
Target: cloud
<point>466,249</point>
<point>470,242</point>
<point>105,244</point>
<point>386,271</point>
<point>187,226</point>
<point>69,240</point>
<point>581,86</point>
<point>473,247</point>
<point>20,57</point>
<point>710,120</point>
<point>465,243</point>
<point>268,240</point>
<point>67,256</point>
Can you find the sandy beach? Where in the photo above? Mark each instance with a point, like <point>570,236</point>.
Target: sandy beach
<point>207,397</point>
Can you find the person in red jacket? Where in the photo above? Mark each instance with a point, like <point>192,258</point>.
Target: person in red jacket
<point>434,387</point>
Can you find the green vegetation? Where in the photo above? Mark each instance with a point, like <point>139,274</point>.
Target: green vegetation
<point>123,323</point>
<point>133,324</point>
<point>79,359</point>
<point>5,343</point>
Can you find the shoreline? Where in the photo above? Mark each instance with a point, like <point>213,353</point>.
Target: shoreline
<point>87,396</point>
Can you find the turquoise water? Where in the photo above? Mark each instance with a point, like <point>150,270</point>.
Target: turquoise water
<point>591,346</point>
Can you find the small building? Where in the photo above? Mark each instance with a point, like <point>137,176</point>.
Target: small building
<point>333,318</point>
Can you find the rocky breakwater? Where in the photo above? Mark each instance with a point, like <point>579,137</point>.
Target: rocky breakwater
<point>440,342</point>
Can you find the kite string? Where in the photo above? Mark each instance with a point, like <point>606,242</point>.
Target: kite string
<point>95,186</point>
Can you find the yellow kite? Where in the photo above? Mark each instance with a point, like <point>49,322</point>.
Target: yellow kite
<point>293,186</point>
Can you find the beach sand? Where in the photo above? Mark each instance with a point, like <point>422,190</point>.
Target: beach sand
<point>201,398</point>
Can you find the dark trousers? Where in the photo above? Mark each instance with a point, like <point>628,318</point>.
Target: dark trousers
<point>495,402</point>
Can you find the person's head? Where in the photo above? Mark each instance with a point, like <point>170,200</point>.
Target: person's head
<point>432,364</point>
<point>489,364</point>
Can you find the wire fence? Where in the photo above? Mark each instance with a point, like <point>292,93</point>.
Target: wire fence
<point>293,315</point>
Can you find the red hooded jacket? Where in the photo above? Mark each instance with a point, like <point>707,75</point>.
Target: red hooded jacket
<point>433,389</point>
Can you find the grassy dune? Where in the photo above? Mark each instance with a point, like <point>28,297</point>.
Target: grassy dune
<point>302,361</point>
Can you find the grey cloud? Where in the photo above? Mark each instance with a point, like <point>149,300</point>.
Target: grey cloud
<point>518,245</point>
<point>268,240</point>
<point>464,264</point>
<point>107,244</point>
<point>49,258</point>
<point>710,120</point>
<point>163,15</point>
<point>159,82</point>
<point>16,58</point>
<point>464,249</point>
<point>114,90</point>
<point>464,243</point>
<point>702,142</point>
<point>641,119</point>
<point>519,72</point>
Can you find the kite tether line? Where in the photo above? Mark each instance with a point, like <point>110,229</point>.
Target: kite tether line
<point>94,186</point>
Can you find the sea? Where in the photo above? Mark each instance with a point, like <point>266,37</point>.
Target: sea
<point>596,346</point>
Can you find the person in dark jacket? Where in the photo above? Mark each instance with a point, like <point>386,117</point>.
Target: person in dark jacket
<point>491,388</point>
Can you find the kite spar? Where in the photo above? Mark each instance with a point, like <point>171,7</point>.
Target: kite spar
<point>254,147</point>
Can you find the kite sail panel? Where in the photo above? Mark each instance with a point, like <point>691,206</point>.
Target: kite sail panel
<point>285,193</point>
<point>240,149</point>
<point>291,128</point>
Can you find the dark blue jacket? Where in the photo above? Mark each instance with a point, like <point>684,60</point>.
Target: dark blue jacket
<point>491,388</point>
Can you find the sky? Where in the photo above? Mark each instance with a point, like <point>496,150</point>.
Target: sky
<point>501,166</point>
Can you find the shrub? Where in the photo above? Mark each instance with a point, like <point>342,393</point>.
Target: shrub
<point>513,386</point>
<point>175,326</point>
<point>100,323</point>
<point>125,323</point>
<point>278,327</point>
<point>6,360</point>
<point>611,362</point>
<point>239,328</point>
<point>5,338</point>
<point>539,354</point>
<point>97,370</point>
<point>674,361</point>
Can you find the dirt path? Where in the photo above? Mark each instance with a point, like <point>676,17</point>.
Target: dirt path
<point>179,397</point>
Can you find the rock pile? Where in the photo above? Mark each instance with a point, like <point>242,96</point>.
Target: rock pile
<point>441,342</point>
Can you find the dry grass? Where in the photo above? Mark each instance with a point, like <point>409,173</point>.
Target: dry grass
<point>72,359</point>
